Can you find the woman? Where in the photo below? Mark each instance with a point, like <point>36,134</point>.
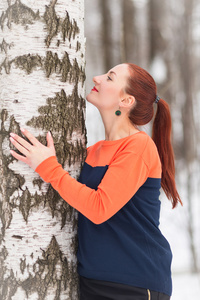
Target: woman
<point>122,253</point>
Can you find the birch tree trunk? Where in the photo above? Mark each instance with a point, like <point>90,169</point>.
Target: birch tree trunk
<point>42,62</point>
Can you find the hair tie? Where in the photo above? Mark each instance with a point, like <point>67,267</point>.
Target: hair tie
<point>157,99</point>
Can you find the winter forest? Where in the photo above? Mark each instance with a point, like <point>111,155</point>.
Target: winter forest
<point>49,52</point>
<point>164,38</point>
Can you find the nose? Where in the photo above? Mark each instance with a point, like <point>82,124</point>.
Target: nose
<point>96,79</point>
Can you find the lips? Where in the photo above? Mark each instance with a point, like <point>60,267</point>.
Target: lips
<point>94,89</point>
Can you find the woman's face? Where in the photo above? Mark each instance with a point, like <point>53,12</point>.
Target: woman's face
<point>108,89</point>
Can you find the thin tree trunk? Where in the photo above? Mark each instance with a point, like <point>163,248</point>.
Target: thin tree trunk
<point>107,40</point>
<point>128,36</point>
<point>42,60</point>
<point>189,140</point>
<point>135,41</point>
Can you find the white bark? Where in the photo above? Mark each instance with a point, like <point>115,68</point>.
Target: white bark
<point>38,230</point>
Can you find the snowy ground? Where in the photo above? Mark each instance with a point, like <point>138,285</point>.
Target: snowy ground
<point>186,287</point>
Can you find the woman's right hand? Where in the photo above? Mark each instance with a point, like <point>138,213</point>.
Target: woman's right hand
<point>34,153</point>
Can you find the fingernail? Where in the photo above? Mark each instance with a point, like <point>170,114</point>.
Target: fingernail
<point>49,133</point>
<point>12,134</point>
<point>22,129</point>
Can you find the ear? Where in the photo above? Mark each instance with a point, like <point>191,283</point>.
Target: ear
<point>127,101</point>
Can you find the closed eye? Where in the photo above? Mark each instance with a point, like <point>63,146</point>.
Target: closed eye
<point>109,78</point>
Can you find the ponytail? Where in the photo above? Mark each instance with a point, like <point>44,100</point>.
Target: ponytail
<point>161,134</point>
<point>142,86</point>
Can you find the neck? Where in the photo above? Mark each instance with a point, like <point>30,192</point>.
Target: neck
<point>117,127</point>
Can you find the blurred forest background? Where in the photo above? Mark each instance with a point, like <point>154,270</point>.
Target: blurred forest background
<point>164,38</point>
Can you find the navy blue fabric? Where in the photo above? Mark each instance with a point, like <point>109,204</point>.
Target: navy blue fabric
<point>129,247</point>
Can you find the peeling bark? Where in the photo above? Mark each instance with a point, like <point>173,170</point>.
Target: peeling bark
<point>42,70</point>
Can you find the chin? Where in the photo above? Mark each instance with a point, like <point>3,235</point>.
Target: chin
<point>89,98</point>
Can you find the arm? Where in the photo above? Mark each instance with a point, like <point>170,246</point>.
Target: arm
<point>123,178</point>
<point>121,181</point>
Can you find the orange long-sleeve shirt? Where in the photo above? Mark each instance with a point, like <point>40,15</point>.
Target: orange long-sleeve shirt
<point>130,162</point>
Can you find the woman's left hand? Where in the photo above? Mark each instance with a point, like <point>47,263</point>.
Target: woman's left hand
<point>34,153</point>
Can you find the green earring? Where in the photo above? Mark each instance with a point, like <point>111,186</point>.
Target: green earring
<point>118,112</point>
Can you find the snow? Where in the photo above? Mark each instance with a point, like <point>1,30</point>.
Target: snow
<point>186,286</point>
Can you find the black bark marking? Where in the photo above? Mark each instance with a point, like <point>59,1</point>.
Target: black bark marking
<point>18,237</point>
<point>5,46</point>
<point>23,265</point>
<point>69,28</point>
<point>46,276</point>
<point>10,284</point>
<point>9,180</point>
<point>50,64</point>
<point>28,62</point>
<point>18,13</point>
<point>69,72</point>
<point>52,22</point>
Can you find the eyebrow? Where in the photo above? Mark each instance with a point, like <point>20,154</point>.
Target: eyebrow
<point>112,72</point>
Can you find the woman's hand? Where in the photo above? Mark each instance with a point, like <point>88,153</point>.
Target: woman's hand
<point>34,153</point>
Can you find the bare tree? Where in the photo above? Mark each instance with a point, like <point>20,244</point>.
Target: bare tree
<point>110,32</point>
<point>107,40</point>
<point>189,133</point>
<point>129,34</point>
<point>41,88</point>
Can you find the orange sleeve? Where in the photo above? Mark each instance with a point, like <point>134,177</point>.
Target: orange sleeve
<point>126,173</point>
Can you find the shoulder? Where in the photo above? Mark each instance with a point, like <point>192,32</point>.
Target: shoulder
<point>151,156</point>
<point>143,146</point>
<point>138,143</point>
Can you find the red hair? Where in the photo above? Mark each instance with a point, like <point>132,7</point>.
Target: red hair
<point>142,86</point>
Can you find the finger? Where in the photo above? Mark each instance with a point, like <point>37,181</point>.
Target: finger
<point>18,157</point>
<point>21,141</point>
<point>19,146</point>
<point>50,143</point>
<point>31,138</point>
